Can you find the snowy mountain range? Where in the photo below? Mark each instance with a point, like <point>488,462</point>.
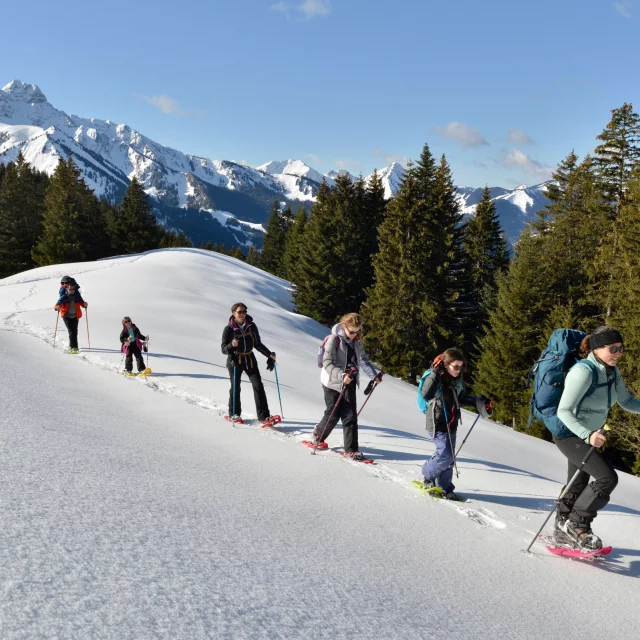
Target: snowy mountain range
<point>216,200</point>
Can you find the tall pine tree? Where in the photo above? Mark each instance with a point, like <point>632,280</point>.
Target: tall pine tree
<point>74,228</point>
<point>408,313</point>
<point>294,245</point>
<point>133,227</point>
<point>275,241</point>
<point>619,152</point>
<point>488,255</point>
<point>21,212</point>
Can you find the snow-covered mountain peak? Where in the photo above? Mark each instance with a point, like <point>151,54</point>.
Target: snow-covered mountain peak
<point>291,168</point>
<point>23,92</point>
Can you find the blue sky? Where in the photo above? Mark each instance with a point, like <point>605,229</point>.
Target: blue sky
<point>504,89</point>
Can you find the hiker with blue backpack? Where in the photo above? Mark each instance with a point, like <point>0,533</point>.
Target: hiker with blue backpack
<point>441,394</point>
<point>574,409</point>
<point>343,356</point>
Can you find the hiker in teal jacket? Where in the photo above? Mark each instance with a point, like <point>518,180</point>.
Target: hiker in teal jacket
<point>584,415</point>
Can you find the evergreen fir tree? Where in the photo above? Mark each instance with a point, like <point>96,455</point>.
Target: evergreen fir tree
<point>253,255</point>
<point>318,272</point>
<point>21,212</point>
<point>409,314</point>
<point>619,152</point>
<point>275,240</point>
<point>74,228</point>
<point>294,245</point>
<point>488,255</point>
<point>134,228</point>
<point>624,294</point>
<point>174,240</point>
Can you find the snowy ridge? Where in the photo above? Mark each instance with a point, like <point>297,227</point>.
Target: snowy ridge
<point>187,527</point>
<point>110,155</point>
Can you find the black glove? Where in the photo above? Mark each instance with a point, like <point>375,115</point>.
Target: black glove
<point>144,348</point>
<point>372,384</point>
<point>271,363</point>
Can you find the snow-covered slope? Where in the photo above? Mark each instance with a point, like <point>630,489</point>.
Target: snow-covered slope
<point>130,509</point>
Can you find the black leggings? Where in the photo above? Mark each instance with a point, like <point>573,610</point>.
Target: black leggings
<point>72,327</point>
<point>584,500</point>
<point>134,350</point>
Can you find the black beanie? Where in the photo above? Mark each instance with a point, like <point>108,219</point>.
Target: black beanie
<point>603,338</point>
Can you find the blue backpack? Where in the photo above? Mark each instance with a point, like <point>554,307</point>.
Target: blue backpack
<point>423,404</point>
<point>549,373</point>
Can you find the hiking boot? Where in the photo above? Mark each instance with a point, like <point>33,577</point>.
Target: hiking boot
<point>450,495</point>
<point>354,455</point>
<point>315,438</point>
<point>561,518</point>
<point>582,535</point>
<point>74,351</point>
<point>428,484</point>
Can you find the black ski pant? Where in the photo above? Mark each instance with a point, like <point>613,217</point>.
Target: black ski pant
<point>134,350</point>
<point>259,394</point>
<point>72,328</point>
<point>347,411</point>
<point>583,500</point>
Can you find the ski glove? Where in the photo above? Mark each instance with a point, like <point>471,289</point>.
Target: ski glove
<point>484,407</point>
<point>372,384</point>
<point>271,363</point>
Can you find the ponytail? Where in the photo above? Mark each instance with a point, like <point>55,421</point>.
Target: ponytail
<point>585,347</point>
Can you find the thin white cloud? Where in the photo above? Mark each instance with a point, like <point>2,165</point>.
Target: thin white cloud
<point>389,158</point>
<point>315,8</point>
<point>518,136</point>
<point>305,10</point>
<point>343,163</point>
<point>623,7</point>
<point>514,158</point>
<point>280,6</point>
<point>463,134</point>
<point>166,104</point>
<point>312,157</point>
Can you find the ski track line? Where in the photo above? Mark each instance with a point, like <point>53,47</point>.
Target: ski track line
<point>481,516</point>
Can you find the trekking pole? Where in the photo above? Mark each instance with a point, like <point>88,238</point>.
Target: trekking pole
<point>446,417</point>
<point>468,432</point>
<point>86,310</point>
<point>55,333</point>
<point>370,392</point>
<point>233,418</point>
<point>567,487</point>
<point>335,406</point>
<point>275,368</point>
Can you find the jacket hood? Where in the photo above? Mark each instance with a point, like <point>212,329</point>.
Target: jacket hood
<point>234,323</point>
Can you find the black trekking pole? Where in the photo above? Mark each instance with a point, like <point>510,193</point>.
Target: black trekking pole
<point>369,390</point>
<point>468,433</point>
<point>567,487</point>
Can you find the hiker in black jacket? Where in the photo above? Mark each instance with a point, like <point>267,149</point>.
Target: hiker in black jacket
<point>239,338</point>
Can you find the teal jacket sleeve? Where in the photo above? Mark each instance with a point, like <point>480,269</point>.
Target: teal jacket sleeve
<point>576,385</point>
<point>625,399</point>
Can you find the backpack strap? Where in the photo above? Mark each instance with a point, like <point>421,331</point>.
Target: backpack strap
<point>594,382</point>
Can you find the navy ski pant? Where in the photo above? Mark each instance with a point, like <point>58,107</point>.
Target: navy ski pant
<point>259,394</point>
<point>439,468</point>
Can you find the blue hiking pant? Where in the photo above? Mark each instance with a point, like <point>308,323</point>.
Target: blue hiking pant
<point>439,468</point>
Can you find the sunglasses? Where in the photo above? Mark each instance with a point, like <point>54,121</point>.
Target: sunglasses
<point>456,367</point>
<point>616,349</point>
<point>353,332</point>
<point>127,321</point>
<point>241,313</point>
